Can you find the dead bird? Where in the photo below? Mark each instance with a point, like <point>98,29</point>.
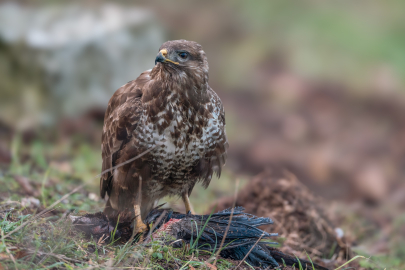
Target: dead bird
<point>202,232</point>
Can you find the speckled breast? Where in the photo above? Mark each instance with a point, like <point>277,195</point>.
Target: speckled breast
<point>185,137</point>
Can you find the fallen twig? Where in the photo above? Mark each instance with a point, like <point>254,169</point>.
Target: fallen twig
<point>192,257</point>
<point>129,160</point>
<point>249,251</point>
<point>60,257</point>
<point>155,224</point>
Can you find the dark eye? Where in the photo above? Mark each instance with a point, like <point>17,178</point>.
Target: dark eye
<point>183,55</point>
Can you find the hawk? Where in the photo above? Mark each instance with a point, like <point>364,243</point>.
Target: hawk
<point>173,113</point>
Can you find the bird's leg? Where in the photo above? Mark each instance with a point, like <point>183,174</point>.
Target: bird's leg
<point>140,227</point>
<point>187,204</point>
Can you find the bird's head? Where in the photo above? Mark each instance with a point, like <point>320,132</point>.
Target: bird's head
<point>182,56</point>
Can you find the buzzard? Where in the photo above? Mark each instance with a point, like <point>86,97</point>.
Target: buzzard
<point>173,117</point>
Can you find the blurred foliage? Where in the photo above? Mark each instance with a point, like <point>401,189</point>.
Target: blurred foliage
<point>342,40</point>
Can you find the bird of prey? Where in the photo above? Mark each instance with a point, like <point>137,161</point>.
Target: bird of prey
<point>172,110</point>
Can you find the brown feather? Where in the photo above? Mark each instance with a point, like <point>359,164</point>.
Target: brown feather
<point>173,105</point>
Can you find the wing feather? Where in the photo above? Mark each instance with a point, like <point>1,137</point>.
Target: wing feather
<point>215,157</point>
<point>121,119</point>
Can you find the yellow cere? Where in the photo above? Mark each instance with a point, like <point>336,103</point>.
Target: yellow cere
<point>164,53</point>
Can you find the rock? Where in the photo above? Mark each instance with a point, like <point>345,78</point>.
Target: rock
<point>83,53</point>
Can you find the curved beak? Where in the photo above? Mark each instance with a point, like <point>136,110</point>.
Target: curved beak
<point>161,57</point>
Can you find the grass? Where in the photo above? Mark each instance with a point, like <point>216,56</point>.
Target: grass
<point>45,243</point>
<point>48,241</point>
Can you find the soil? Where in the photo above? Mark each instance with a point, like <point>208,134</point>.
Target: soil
<point>299,217</point>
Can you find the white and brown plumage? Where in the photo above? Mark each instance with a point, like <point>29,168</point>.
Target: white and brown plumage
<point>171,105</point>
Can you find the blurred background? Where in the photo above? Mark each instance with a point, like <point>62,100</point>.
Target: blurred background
<point>312,87</point>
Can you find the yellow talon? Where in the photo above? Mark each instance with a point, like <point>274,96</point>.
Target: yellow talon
<point>140,227</point>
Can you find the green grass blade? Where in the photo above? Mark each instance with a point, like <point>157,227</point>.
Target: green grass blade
<point>299,262</point>
<point>202,230</point>
<point>115,230</point>
<point>283,262</point>
<point>309,258</point>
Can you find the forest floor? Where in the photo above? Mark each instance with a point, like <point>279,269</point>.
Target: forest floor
<point>36,197</point>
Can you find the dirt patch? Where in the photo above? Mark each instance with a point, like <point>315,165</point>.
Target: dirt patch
<point>299,218</point>
<point>343,144</point>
